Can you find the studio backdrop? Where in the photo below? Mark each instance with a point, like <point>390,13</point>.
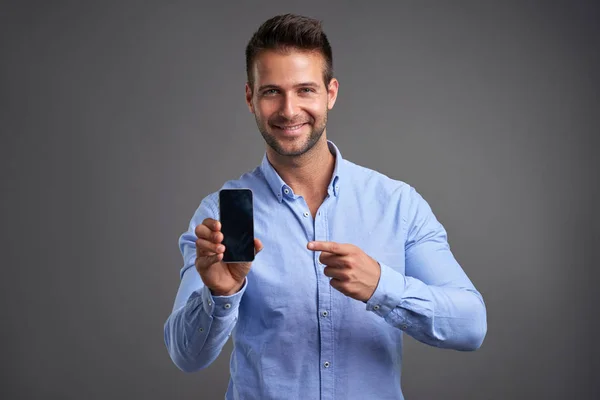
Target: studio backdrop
<point>117,118</point>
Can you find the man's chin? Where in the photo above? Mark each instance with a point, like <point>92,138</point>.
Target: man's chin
<point>289,146</point>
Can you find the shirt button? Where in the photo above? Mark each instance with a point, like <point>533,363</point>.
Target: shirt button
<point>326,364</point>
<point>201,330</point>
<point>210,303</point>
<point>376,307</point>
<point>306,214</point>
<point>337,187</point>
<point>286,191</point>
<point>404,326</point>
<point>324,313</point>
<point>227,305</point>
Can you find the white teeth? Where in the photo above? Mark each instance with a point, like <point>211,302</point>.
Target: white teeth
<point>291,128</point>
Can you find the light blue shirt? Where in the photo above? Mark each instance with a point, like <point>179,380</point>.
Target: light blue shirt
<point>294,335</point>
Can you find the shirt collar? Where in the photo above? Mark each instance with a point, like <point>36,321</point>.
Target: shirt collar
<point>281,189</point>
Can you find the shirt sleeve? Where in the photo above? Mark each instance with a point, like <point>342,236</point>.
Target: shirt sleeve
<point>434,301</point>
<point>200,324</point>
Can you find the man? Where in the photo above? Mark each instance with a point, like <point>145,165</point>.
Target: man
<point>347,259</point>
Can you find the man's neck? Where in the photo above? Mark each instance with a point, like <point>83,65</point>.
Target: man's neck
<point>309,174</point>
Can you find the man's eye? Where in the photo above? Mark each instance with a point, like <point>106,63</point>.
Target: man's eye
<point>270,91</point>
<point>306,90</point>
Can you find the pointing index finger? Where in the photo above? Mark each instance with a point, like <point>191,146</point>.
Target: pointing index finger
<point>329,247</point>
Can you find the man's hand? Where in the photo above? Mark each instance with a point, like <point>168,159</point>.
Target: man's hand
<point>223,279</point>
<point>352,271</point>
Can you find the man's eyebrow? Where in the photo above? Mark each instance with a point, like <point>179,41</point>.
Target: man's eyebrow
<point>309,84</point>
<point>303,84</point>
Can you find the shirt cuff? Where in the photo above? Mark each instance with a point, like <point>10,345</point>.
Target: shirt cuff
<point>388,293</point>
<point>221,306</point>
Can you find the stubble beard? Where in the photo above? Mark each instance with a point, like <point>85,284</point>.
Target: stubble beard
<point>271,139</point>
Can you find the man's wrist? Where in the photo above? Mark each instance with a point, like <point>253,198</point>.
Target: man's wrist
<point>389,291</point>
<point>229,293</point>
<point>222,304</point>
<point>221,294</point>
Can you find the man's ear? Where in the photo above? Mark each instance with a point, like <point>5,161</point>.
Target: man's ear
<point>332,92</point>
<point>249,97</point>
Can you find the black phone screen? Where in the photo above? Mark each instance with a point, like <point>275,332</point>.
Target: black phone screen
<point>237,224</point>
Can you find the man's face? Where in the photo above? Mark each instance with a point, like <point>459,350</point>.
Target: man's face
<point>290,100</point>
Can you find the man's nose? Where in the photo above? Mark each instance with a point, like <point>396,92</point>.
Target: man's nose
<point>289,107</point>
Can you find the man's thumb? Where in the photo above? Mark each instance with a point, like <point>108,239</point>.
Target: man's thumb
<point>258,245</point>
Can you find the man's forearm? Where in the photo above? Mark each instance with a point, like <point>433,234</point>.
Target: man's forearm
<point>447,317</point>
<point>196,332</point>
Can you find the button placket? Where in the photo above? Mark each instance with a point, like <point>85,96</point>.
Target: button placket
<point>324,305</point>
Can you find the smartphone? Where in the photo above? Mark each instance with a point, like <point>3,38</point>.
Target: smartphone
<point>236,209</point>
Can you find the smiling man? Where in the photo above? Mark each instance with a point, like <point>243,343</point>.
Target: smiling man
<point>348,259</point>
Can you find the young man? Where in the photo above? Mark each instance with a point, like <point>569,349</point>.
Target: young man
<point>347,259</point>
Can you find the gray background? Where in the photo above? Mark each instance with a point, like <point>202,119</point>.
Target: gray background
<point>118,118</point>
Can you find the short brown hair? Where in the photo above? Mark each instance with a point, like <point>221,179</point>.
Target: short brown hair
<point>288,32</point>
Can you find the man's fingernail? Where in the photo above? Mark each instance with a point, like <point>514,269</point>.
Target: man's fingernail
<point>311,245</point>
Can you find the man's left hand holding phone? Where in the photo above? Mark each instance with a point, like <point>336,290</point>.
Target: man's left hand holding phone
<point>225,249</point>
